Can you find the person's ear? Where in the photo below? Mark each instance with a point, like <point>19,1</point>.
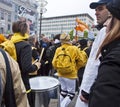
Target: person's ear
<point>109,15</point>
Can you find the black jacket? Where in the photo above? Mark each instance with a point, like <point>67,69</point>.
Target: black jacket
<point>24,59</point>
<point>106,89</point>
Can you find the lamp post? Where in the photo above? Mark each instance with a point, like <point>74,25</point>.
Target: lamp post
<point>42,9</point>
<point>40,24</point>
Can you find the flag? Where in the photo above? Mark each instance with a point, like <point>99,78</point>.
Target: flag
<point>81,26</point>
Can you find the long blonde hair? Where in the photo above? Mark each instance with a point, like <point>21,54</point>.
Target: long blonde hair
<point>113,33</point>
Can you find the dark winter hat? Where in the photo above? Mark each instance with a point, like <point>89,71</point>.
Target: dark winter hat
<point>93,5</point>
<point>57,36</point>
<point>114,8</point>
<point>83,42</point>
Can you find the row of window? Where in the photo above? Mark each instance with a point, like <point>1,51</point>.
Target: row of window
<point>4,15</point>
<point>61,21</point>
<point>57,28</point>
<point>59,25</point>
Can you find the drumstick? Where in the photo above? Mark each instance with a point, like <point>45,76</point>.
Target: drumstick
<point>35,61</point>
<point>41,54</point>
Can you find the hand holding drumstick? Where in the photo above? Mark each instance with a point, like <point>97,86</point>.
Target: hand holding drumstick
<point>37,62</point>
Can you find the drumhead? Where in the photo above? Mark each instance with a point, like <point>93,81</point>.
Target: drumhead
<point>43,83</point>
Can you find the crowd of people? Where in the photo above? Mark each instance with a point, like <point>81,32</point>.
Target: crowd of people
<point>95,63</point>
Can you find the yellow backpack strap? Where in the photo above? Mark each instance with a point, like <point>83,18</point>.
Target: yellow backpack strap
<point>28,91</point>
<point>85,48</point>
<point>85,52</point>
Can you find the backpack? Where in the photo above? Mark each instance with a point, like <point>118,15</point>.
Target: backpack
<point>63,61</point>
<point>9,46</point>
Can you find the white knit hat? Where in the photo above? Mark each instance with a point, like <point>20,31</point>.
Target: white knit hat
<point>65,38</point>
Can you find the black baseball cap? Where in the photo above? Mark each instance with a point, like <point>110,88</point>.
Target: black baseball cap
<point>93,5</point>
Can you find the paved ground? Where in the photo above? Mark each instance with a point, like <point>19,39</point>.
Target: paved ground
<point>54,102</point>
<point>73,102</point>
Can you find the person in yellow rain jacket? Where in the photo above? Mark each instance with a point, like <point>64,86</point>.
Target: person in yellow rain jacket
<point>8,46</point>
<point>24,53</point>
<point>68,78</point>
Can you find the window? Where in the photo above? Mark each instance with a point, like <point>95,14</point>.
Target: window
<point>9,17</point>
<point>9,27</point>
<point>2,15</point>
<point>16,17</point>
<point>16,8</point>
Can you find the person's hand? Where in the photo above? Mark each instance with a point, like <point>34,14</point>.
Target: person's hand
<point>38,64</point>
<point>83,99</point>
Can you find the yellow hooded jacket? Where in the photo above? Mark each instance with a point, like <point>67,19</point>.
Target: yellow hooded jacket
<point>78,57</point>
<point>8,45</point>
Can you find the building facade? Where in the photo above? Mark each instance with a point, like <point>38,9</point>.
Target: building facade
<point>13,10</point>
<point>54,25</point>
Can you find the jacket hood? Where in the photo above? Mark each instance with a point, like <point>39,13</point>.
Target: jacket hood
<point>17,37</point>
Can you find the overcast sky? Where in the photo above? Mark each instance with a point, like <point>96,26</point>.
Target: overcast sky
<point>68,7</point>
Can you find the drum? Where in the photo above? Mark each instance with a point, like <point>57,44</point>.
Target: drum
<point>47,91</point>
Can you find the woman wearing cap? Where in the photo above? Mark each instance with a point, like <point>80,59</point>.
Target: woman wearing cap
<point>91,68</point>
<point>106,89</point>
